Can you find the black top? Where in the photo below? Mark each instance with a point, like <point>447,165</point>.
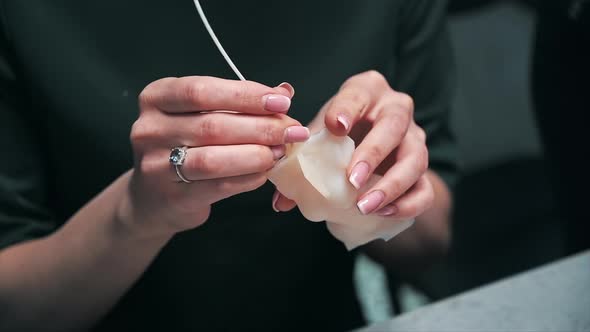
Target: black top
<point>561,68</point>
<point>70,73</point>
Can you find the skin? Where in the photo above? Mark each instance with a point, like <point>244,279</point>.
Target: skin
<point>389,143</point>
<point>119,232</point>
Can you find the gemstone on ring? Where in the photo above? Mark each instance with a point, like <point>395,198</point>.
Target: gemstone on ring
<point>177,156</point>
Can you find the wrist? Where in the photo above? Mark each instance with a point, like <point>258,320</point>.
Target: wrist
<point>130,224</point>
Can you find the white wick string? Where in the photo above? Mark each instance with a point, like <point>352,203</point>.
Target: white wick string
<point>216,41</point>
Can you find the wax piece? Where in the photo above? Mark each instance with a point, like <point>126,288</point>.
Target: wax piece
<point>313,174</point>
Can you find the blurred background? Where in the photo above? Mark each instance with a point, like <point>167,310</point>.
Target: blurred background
<point>507,216</point>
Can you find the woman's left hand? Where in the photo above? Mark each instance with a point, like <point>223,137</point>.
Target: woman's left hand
<point>389,143</point>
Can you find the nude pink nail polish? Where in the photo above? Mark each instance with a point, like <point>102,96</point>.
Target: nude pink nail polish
<point>371,202</point>
<point>277,103</point>
<point>275,198</point>
<point>359,174</point>
<point>296,134</point>
<point>343,120</point>
<point>288,87</point>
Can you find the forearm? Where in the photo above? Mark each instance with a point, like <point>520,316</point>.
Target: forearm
<point>427,240</point>
<point>69,279</point>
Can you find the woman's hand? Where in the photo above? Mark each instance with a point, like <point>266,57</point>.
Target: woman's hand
<point>228,151</point>
<point>389,143</point>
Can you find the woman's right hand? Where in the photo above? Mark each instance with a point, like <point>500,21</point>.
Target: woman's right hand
<point>228,152</point>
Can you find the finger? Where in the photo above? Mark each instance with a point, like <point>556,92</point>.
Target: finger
<point>411,204</point>
<point>208,192</point>
<point>212,162</point>
<point>281,203</point>
<point>157,129</point>
<point>227,129</point>
<point>346,108</point>
<point>287,88</point>
<point>411,164</point>
<point>357,96</point>
<point>389,129</point>
<point>204,93</point>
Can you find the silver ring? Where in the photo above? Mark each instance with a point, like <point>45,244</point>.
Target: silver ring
<point>177,158</point>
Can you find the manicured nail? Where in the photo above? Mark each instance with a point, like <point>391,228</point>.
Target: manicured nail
<point>296,134</point>
<point>371,202</point>
<point>343,120</point>
<point>276,103</point>
<point>359,174</point>
<point>388,210</point>
<point>278,151</point>
<point>275,198</point>
<point>288,87</point>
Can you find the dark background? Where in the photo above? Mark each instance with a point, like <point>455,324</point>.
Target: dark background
<point>519,115</point>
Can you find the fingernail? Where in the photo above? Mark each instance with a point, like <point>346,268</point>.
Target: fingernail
<point>371,202</point>
<point>288,87</point>
<point>278,151</point>
<point>277,103</point>
<point>387,211</point>
<point>296,134</point>
<point>343,121</point>
<point>359,174</point>
<point>275,198</point>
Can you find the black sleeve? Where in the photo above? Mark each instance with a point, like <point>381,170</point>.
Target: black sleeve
<point>425,71</point>
<point>23,200</point>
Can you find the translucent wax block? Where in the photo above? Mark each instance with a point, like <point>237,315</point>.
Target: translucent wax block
<point>313,174</point>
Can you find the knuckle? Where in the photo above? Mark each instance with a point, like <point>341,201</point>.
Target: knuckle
<point>195,92</point>
<point>203,161</point>
<point>374,75</point>
<point>137,132</point>
<point>146,96</point>
<point>142,132</point>
<point>144,99</point>
<point>397,122</point>
<point>209,128</point>
<point>343,105</point>
<point>406,102</point>
<point>358,97</point>
<point>421,133</point>
<point>377,153</point>
<point>349,81</point>
<point>269,133</point>
<point>422,159</point>
<point>242,94</point>
<point>394,189</point>
<point>265,158</point>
